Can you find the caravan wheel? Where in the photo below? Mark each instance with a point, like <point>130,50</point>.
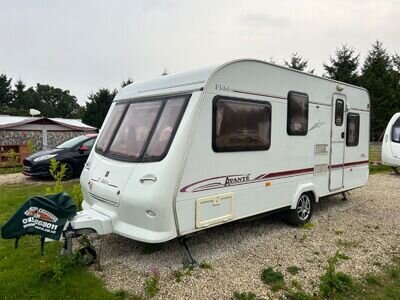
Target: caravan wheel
<point>303,211</point>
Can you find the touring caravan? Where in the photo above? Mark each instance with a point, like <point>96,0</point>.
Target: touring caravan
<point>391,143</point>
<point>189,151</point>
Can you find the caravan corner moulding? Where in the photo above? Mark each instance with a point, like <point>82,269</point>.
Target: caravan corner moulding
<point>189,151</point>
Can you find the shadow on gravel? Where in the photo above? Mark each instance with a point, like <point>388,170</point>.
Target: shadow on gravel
<point>212,243</point>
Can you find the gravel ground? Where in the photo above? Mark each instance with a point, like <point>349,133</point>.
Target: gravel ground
<point>365,228</point>
<point>19,178</point>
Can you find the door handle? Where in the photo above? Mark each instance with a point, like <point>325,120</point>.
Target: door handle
<point>342,135</point>
<point>148,178</point>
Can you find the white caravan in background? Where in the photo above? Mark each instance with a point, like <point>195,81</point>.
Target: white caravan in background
<point>188,151</point>
<point>391,143</point>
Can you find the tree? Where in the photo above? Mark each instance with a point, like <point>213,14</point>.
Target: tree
<point>164,72</point>
<point>57,102</point>
<point>5,93</point>
<point>126,82</point>
<point>297,62</point>
<point>396,62</point>
<point>344,65</point>
<point>381,80</point>
<point>97,107</point>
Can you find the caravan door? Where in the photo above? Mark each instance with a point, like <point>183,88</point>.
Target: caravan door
<point>337,142</point>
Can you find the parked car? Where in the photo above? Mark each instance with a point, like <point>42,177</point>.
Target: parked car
<point>73,153</point>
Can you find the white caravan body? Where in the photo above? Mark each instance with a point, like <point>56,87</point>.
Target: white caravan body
<point>188,151</point>
<point>391,142</point>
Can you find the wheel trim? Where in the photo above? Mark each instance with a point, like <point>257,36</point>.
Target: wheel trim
<point>304,207</point>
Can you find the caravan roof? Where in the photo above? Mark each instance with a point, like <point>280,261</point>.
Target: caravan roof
<point>247,68</point>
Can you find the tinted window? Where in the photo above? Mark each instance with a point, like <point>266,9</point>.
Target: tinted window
<point>353,129</point>
<point>108,130</point>
<point>89,143</point>
<point>135,129</point>
<point>396,131</point>
<point>166,128</point>
<point>72,142</point>
<point>339,110</point>
<point>297,116</point>
<point>241,125</point>
<point>144,130</point>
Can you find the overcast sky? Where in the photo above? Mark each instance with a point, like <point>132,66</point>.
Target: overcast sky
<point>86,45</point>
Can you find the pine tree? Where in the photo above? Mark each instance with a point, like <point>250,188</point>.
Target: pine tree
<point>297,62</point>
<point>380,79</point>
<point>126,82</point>
<point>97,107</point>
<point>5,94</point>
<point>344,66</point>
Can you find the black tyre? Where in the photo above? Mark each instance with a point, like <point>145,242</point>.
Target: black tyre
<point>396,170</point>
<point>303,211</point>
<point>88,255</point>
<point>69,173</point>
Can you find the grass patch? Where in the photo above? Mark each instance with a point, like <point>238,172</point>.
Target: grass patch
<point>23,270</point>
<point>293,270</point>
<point>273,278</point>
<point>338,232</point>
<point>151,288</point>
<point>308,226</point>
<point>347,244</point>
<point>333,282</point>
<point>244,296</point>
<point>372,279</point>
<point>373,286</point>
<point>10,170</point>
<point>206,265</point>
<point>376,169</point>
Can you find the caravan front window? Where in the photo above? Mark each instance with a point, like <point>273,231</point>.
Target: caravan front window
<point>396,131</point>
<point>106,135</point>
<point>145,130</point>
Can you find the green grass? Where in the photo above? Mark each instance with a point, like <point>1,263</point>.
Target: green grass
<point>376,169</point>
<point>373,286</point>
<point>10,170</point>
<point>22,269</point>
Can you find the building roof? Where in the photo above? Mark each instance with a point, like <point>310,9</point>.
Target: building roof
<point>12,121</point>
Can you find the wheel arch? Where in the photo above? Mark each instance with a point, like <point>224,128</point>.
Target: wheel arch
<point>301,189</point>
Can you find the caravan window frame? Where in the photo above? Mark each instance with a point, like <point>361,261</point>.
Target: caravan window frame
<point>142,157</point>
<point>215,147</point>
<point>349,116</point>
<point>290,113</point>
<point>339,114</point>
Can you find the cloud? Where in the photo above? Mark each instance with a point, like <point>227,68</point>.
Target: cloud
<point>264,19</point>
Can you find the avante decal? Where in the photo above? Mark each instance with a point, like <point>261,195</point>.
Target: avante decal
<point>234,180</point>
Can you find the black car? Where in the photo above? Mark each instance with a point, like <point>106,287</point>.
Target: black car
<point>73,153</point>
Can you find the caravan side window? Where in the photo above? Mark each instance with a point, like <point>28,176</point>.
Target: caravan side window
<point>297,113</point>
<point>339,110</point>
<point>353,129</point>
<point>241,125</point>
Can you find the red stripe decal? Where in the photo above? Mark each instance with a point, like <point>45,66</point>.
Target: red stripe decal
<point>231,180</point>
